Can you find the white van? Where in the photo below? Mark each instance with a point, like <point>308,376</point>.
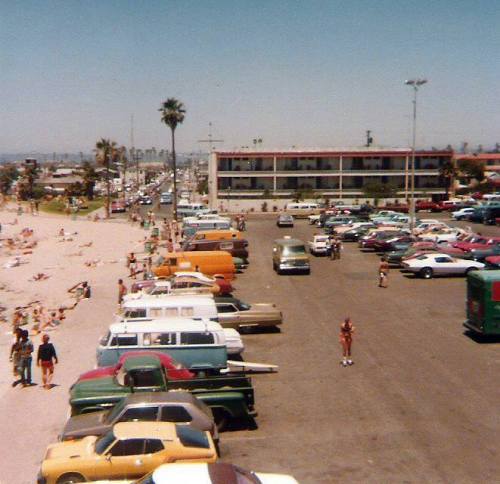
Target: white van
<point>197,344</point>
<point>191,227</point>
<point>302,209</point>
<point>191,209</point>
<point>169,306</point>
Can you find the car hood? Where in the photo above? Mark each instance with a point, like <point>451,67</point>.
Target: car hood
<point>96,387</point>
<point>85,424</point>
<point>105,371</point>
<point>67,450</point>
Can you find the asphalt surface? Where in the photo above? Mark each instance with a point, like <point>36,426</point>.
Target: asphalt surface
<point>420,404</point>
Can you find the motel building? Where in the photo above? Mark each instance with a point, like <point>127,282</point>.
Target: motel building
<point>337,173</point>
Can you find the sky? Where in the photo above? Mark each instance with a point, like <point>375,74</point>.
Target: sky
<point>293,73</point>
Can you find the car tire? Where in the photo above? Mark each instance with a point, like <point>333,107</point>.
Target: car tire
<point>221,418</point>
<point>426,273</point>
<point>71,478</point>
<point>471,269</point>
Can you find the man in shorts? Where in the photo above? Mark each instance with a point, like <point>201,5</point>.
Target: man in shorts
<point>45,359</point>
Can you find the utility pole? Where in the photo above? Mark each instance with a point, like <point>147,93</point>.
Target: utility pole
<point>210,139</point>
<point>415,84</point>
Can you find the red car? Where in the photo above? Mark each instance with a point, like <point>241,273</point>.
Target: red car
<point>118,206</point>
<point>175,371</point>
<point>493,260</point>
<point>476,242</point>
<point>396,208</point>
<point>427,205</point>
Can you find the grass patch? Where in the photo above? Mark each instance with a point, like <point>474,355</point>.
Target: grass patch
<point>58,207</point>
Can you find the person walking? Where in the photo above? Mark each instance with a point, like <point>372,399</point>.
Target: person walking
<point>132,265</point>
<point>15,356</point>
<point>345,338</point>
<point>383,273</point>
<point>336,247</point>
<point>46,358</point>
<point>122,291</point>
<point>26,350</point>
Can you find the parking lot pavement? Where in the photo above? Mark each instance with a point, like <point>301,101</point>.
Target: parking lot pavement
<point>420,403</point>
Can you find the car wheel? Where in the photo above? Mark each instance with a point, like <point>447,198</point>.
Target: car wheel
<point>221,418</point>
<point>426,272</point>
<point>471,269</point>
<point>70,478</point>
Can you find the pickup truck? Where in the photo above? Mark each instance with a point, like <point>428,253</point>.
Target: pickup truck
<point>231,398</point>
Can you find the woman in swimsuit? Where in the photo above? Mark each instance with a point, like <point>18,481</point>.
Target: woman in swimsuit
<point>345,338</point>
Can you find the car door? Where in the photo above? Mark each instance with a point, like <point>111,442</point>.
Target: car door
<point>228,315</point>
<point>445,265</point>
<point>124,460</point>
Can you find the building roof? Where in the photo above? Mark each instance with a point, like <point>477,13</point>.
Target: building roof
<point>479,156</point>
<point>315,152</point>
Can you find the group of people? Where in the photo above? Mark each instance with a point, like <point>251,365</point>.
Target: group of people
<point>21,356</point>
<point>335,248</point>
<point>40,319</point>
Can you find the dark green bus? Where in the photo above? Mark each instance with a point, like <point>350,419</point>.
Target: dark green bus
<point>483,302</point>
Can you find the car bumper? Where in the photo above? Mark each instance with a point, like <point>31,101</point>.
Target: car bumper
<point>295,267</point>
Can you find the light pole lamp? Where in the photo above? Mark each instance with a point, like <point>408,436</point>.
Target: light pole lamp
<point>415,83</point>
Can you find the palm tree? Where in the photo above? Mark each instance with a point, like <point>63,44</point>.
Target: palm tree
<point>448,171</point>
<point>172,114</point>
<point>106,152</point>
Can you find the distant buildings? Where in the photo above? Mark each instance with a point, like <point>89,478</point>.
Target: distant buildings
<point>337,173</point>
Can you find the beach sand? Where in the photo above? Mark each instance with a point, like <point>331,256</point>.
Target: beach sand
<point>75,340</point>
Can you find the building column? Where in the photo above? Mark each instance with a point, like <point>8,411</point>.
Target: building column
<point>274,173</point>
<point>212,181</point>
<point>407,161</point>
<point>340,176</point>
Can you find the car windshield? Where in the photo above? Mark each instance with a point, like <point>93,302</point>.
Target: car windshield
<point>102,443</point>
<point>114,412</point>
<point>294,249</point>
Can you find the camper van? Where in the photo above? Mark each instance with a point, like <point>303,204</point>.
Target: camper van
<point>169,306</point>
<point>302,209</point>
<point>196,344</point>
<point>192,226</point>
<point>217,234</point>
<point>207,262</point>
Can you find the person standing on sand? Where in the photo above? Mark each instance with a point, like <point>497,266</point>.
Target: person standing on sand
<point>122,291</point>
<point>45,359</point>
<point>345,338</point>
<point>15,356</point>
<point>383,273</point>
<point>132,265</point>
<point>26,351</point>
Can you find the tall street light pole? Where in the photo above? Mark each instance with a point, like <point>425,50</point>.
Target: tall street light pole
<point>415,83</point>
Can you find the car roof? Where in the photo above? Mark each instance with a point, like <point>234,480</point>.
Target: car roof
<point>145,430</point>
<point>146,361</point>
<point>289,242</point>
<point>165,324</point>
<point>168,300</point>
<point>215,473</point>
<point>161,397</point>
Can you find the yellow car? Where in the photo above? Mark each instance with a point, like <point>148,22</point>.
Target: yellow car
<point>130,450</point>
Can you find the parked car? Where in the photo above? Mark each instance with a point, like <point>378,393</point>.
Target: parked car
<point>480,255</point>
<point>397,257</point>
<point>319,245</point>
<point>218,473</point>
<point>166,198</point>
<point>353,235</point>
<point>179,407</point>
<point>476,242</point>
<point>462,213</point>
<point>284,220</point>
<point>429,205</point>
<point>130,450</point>
<point>118,206</point>
<point>234,313</point>
<point>172,369</point>
<point>145,200</point>
<point>440,235</point>
<point>394,243</point>
<point>429,265</point>
<point>230,397</point>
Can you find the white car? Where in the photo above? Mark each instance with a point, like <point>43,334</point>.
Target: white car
<point>344,228</point>
<point>218,473</point>
<point>435,264</point>
<point>462,213</point>
<point>313,219</point>
<point>440,236</point>
<point>319,245</point>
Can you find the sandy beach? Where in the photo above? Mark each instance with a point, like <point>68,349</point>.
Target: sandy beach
<point>103,246</point>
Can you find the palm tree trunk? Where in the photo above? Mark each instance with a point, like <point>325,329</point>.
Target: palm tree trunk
<point>174,168</point>
<point>108,189</point>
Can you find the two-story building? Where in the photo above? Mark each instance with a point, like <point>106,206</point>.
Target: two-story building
<point>337,173</point>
